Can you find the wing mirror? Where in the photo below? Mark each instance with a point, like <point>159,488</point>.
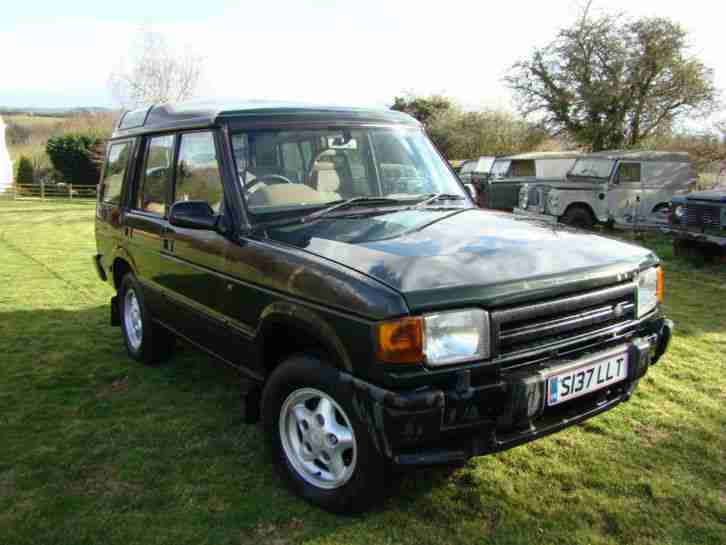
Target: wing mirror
<point>193,215</point>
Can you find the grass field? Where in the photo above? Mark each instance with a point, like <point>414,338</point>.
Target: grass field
<point>97,449</point>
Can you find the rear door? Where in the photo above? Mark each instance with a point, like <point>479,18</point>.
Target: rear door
<point>625,192</point>
<point>112,192</point>
<point>146,218</point>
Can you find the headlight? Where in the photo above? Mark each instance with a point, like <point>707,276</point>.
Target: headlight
<point>523,194</point>
<point>456,336</point>
<point>440,338</point>
<point>650,290</point>
<point>553,200</point>
<point>679,212</point>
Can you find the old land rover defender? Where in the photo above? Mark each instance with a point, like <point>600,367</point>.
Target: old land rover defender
<point>331,255</point>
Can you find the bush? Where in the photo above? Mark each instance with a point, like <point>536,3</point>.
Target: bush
<point>26,171</point>
<point>75,157</point>
<point>463,134</point>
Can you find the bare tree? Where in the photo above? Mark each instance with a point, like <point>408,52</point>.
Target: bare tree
<point>721,127</point>
<point>155,73</point>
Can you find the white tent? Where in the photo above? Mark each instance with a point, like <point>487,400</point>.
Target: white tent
<point>6,166</point>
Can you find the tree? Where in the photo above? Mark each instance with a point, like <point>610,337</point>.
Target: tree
<point>26,171</point>
<point>155,74</point>
<point>610,82</point>
<point>76,157</point>
<point>422,108</point>
<point>465,134</point>
<point>468,134</point>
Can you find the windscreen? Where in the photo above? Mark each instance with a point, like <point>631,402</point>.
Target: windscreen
<point>289,169</point>
<point>500,168</point>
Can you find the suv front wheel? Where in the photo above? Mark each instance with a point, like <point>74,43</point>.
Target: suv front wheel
<point>322,448</point>
<point>146,341</point>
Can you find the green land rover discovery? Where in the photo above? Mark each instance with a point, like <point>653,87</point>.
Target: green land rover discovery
<point>332,256</point>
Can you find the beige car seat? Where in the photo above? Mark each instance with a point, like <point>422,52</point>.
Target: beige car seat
<point>289,194</point>
<point>325,177</point>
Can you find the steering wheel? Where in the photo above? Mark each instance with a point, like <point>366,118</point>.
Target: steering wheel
<point>273,179</point>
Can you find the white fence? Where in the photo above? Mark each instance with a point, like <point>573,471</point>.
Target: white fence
<point>49,192</point>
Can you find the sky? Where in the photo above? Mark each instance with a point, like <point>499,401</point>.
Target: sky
<point>60,54</point>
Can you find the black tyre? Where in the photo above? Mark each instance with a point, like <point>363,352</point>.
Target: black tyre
<point>578,216</point>
<point>145,341</point>
<point>321,447</point>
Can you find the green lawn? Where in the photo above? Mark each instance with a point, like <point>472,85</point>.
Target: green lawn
<point>97,449</point>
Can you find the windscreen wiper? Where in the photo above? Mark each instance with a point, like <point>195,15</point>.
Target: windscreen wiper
<point>439,197</point>
<point>344,204</point>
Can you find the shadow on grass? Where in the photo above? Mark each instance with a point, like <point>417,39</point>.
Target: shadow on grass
<point>92,438</point>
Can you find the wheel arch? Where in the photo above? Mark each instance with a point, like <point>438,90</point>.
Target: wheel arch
<point>302,329</point>
<point>584,205</point>
<point>121,263</point>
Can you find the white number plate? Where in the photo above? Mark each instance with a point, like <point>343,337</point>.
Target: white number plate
<point>579,381</point>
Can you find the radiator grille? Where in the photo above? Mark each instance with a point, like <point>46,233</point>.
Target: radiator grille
<point>561,321</point>
<point>702,215</point>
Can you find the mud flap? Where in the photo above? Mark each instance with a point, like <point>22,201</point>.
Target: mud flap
<point>115,311</point>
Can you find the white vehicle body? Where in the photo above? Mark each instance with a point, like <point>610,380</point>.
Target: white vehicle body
<point>613,186</point>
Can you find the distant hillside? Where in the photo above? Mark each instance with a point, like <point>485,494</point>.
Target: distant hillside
<point>53,112</point>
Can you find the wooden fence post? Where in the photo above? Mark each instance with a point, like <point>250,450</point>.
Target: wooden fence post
<point>70,191</point>
<point>42,190</point>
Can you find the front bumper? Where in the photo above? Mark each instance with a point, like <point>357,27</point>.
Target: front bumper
<point>698,237</point>
<point>439,426</point>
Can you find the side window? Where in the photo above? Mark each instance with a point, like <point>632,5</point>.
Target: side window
<point>115,171</point>
<point>628,172</point>
<point>523,169</point>
<point>292,161</point>
<point>156,176</point>
<point>291,156</point>
<point>197,170</point>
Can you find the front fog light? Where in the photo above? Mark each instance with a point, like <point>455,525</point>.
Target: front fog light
<point>456,336</point>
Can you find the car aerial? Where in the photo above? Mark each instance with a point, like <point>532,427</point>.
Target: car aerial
<point>698,222</point>
<point>499,188</point>
<point>381,318</point>
<point>612,187</point>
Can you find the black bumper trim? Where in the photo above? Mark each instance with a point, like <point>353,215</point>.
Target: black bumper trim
<point>449,425</point>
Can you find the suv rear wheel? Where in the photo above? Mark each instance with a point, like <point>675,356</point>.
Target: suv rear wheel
<point>321,447</point>
<point>146,341</point>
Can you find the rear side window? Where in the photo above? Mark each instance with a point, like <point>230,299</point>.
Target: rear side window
<point>197,175</point>
<point>523,169</point>
<point>156,176</point>
<point>113,175</point>
<point>629,172</point>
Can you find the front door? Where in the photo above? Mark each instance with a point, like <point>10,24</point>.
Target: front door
<point>504,192</point>
<point>193,259</point>
<point>625,193</point>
